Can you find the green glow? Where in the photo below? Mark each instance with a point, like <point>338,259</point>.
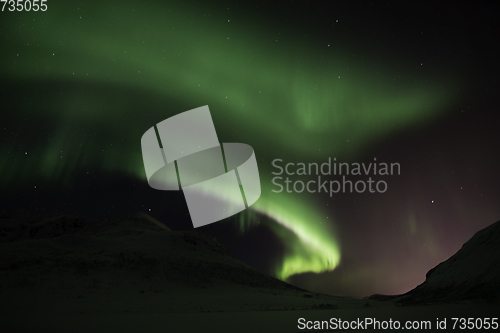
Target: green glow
<point>313,247</point>
<point>120,68</point>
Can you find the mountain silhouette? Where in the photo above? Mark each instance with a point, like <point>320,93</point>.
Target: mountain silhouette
<point>67,273</point>
<point>135,243</point>
<point>473,273</point>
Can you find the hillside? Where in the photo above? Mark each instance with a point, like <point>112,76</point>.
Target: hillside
<point>473,273</point>
<point>132,257</point>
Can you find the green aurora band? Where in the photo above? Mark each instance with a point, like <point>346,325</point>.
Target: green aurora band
<point>276,90</point>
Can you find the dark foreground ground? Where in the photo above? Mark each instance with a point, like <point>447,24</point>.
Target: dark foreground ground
<point>64,274</point>
<point>229,312</point>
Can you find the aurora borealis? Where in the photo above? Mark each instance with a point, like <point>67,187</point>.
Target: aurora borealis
<point>80,83</point>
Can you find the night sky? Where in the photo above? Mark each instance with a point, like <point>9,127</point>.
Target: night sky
<point>414,84</point>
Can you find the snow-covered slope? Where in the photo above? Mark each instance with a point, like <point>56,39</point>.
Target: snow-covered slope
<point>133,263</point>
<point>471,273</point>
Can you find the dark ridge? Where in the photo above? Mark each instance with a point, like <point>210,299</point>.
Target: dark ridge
<point>134,244</point>
<point>473,273</point>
